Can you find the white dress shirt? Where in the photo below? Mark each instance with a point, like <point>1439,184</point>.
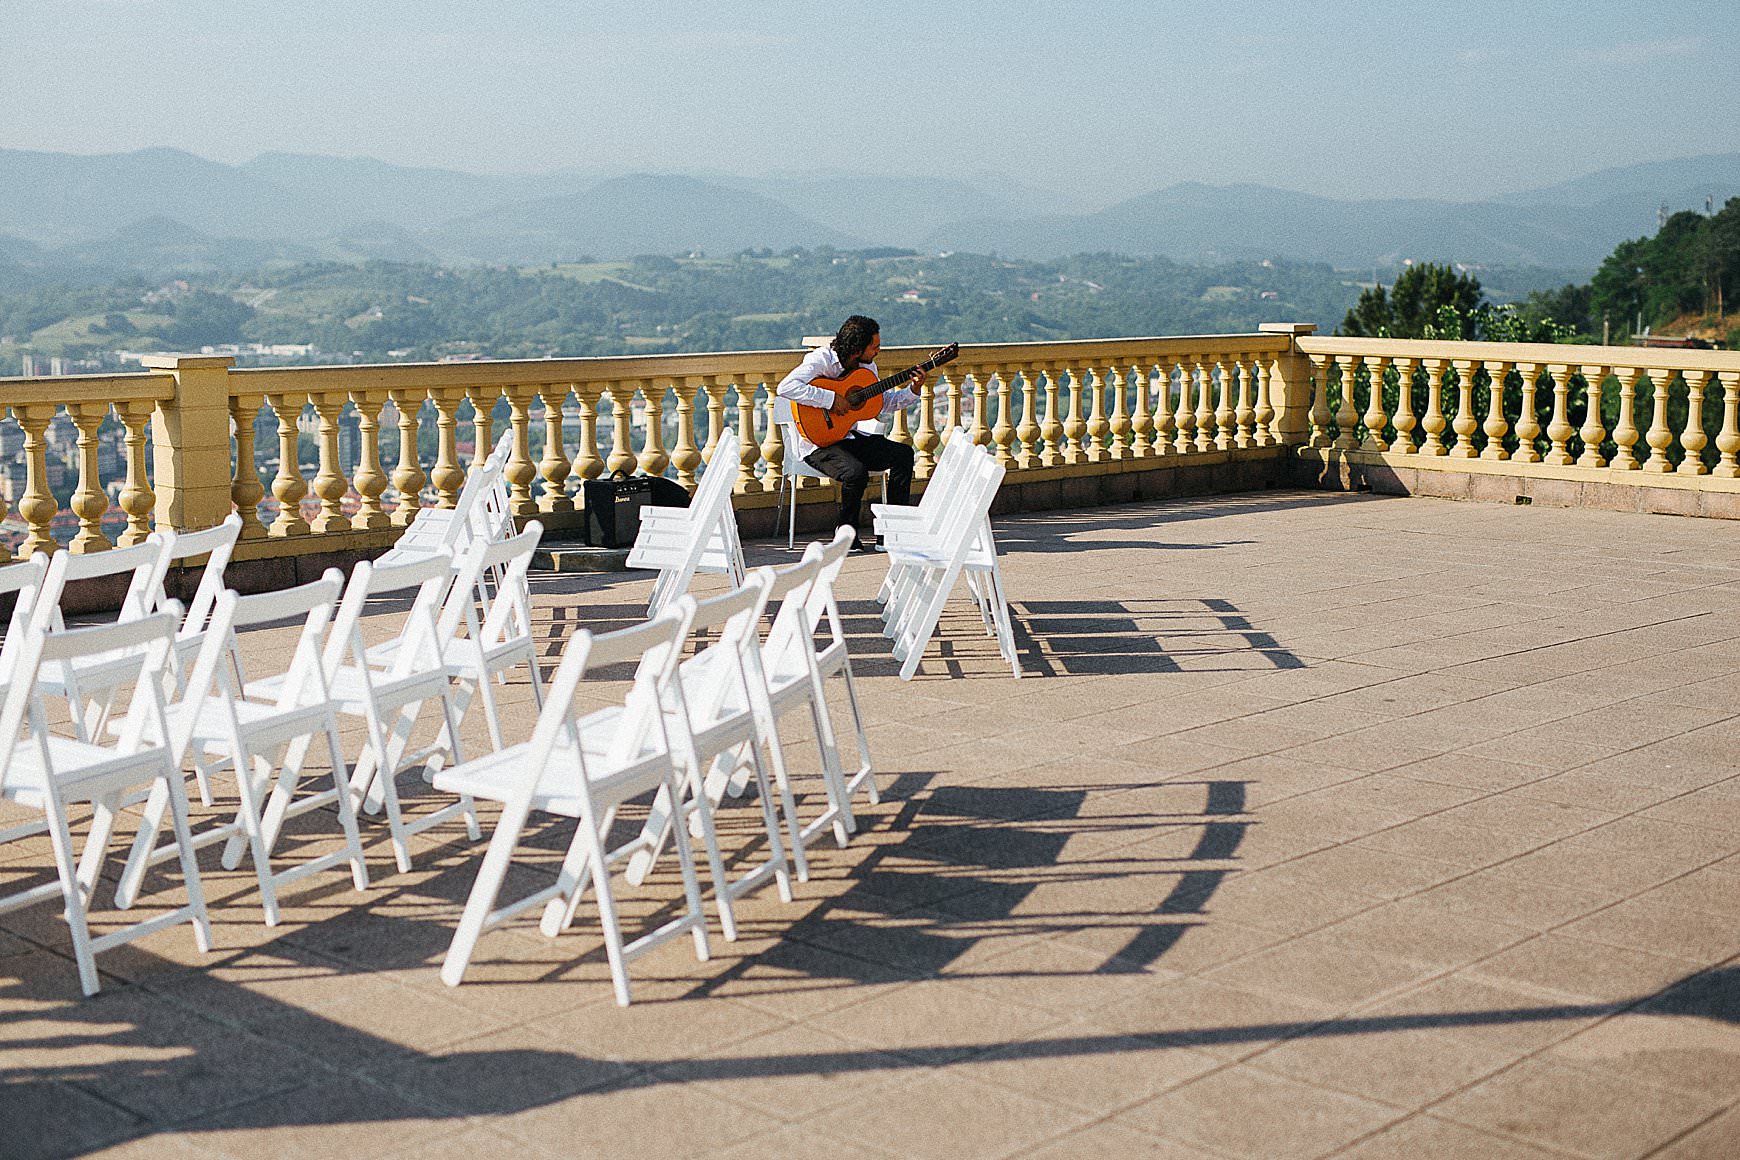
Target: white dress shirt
<point>823,363</point>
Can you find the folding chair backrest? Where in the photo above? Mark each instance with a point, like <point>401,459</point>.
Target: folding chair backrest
<point>145,640</point>
<point>737,616</point>
<point>24,581</point>
<point>420,641</point>
<point>147,562</point>
<point>655,644</point>
<point>314,603</point>
<point>216,544</point>
<point>506,601</point>
<point>792,586</point>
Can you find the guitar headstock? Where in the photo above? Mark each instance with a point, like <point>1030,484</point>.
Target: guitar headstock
<point>946,354</point>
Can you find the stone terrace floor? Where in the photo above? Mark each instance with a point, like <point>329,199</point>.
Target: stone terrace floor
<point>1321,825</point>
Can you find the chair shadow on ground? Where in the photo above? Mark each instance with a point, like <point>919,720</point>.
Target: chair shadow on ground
<point>1081,638</point>
<point>959,864</point>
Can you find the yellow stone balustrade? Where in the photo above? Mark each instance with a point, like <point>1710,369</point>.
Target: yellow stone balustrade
<point>1047,411</point>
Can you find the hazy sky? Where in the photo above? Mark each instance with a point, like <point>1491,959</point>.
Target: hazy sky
<point>1107,100</point>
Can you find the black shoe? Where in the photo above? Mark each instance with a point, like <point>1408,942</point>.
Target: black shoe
<point>866,544</point>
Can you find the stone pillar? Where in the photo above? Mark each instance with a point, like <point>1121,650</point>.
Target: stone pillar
<point>190,442</point>
<point>1290,385</point>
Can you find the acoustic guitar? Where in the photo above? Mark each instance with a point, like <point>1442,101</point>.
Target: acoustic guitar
<point>863,392</point>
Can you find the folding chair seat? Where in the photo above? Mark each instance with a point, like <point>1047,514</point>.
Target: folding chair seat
<point>388,690</point>
<point>50,772</point>
<point>585,766</point>
<point>263,741</point>
<point>679,542</point>
<point>723,696</point>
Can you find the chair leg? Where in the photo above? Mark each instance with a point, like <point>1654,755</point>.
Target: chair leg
<point>359,869</point>
<point>484,891</point>
<point>60,838</point>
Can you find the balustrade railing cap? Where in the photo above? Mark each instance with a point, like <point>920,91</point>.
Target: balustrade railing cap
<point>1286,328</point>
<point>186,362</point>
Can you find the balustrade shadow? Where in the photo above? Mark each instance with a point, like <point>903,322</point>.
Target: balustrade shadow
<point>962,863</point>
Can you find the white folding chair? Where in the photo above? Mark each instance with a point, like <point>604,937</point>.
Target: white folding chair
<point>388,690</point>
<point>723,696</point>
<point>924,570</point>
<point>46,771</point>
<point>702,537</point>
<point>256,737</point>
<point>480,512</point>
<point>832,658</point>
<point>794,468</point>
<point>584,767</point>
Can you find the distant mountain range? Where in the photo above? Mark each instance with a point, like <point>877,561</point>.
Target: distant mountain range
<point>163,210</point>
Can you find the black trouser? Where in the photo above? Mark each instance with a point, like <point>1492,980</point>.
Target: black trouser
<point>851,461</point>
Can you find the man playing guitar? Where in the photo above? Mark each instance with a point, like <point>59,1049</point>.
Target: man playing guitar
<point>852,459</point>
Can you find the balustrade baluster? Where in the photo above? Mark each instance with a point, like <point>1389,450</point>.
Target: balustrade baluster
<point>1118,422</point>
<point>555,467</point>
<point>1464,424</point>
<point>685,456</point>
<point>587,463</point>
<point>1096,429</point>
<point>1496,427</point>
<point>1204,377</point>
<point>1405,420</point>
<point>408,477</point>
<point>1142,418</point>
<point>1559,429</point>
<point>1320,413</point>
<point>1346,413</point>
<point>925,439</point>
<point>1184,415</point>
<point>1593,432</point>
<point>1224,411</point>
<point>1374,419</point>
<point>1051,430</point>
<point>1028,429</point>
<point>482,424</point>
<point>1003,434</point>
<point>288,486</point>
<point>1660,436</point>
<point>1074,425</point>
<point>1244,414</point>
<point>137,499</point>
<point>520,470</point>
<point>370,481</point>
<point>951,383</point>
<point>716,386</point>
<point>1625,433</point>
<point>1433,422</point>
<point>89,501</point>
<point>1528,421</point>
<point>898,428</point>
<point>37,508</point>
<point>772,449</point>
<point>1265,408</point>
<point>980,427</point>
<point>654,459</point>
<point>1728,440</point>
<point>748,450</point>
<point>1692,439</point>
<point>447,476</point>
<point>622,429</point>
<point>330,484</point>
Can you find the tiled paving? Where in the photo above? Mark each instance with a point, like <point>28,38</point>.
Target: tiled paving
<point>1321,825</point>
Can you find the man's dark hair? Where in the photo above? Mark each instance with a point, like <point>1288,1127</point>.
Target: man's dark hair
<point>854,337</point>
